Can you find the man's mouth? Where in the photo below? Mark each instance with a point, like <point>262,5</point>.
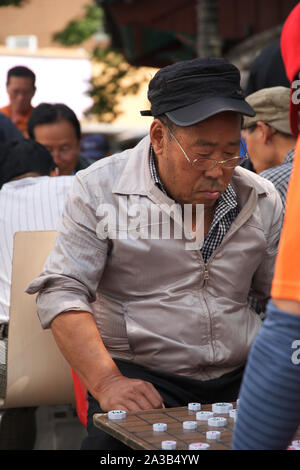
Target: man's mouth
<point>209,193</point>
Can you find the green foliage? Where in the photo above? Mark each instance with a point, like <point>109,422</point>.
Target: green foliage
<point>78,31</point>
<point>116,79</point>
<point>13,3</point>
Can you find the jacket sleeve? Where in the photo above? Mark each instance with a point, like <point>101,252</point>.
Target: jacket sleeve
<point>73,270</point>
<point>272,219</point>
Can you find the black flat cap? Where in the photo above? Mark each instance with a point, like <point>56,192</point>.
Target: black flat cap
<point>194,90</point>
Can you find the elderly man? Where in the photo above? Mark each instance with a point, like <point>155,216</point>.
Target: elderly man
<point>171,323</point>
<point>268,136</point>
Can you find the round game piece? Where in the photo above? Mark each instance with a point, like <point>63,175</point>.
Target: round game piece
<point>194,406</point>
<point>204,415</point>
<point>189,424</point>
<point>199,446</point>
<point>116,414</point>
<point>160,427</point>
<point>213,435</point>
<point>296,443</point>
<point>168,445</point>
<point>217,421</point>
<point>233,414</point>
<point>221,407</point>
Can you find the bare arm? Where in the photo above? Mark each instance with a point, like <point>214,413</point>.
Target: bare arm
<point>290,306</point>
<point>77,336</point>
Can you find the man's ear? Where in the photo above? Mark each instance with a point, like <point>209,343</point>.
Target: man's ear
<point>54,172</point>
<point>158,135</point>
<point>265,131</point>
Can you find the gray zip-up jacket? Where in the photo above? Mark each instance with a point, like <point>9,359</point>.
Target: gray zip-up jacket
<point>155,302</point>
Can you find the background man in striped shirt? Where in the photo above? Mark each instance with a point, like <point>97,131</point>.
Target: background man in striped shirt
<point>31,198</point>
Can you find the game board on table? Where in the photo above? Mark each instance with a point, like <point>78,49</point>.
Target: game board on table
<point>136,429</point>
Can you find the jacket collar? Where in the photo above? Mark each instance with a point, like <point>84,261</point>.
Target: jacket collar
<point>136,176</point>
<point>133,179</point>
<point>245,181</point>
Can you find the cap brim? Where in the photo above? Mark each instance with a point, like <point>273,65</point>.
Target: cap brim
<point>147,112</point>
<point>204,109</point>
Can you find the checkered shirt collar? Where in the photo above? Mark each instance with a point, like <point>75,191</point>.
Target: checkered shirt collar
<point>289,158</point>
<point>154,173</point>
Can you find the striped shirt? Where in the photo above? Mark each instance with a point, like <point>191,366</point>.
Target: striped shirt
<point>280,175</point>
<point>26,204</point>
<point>225,213</point>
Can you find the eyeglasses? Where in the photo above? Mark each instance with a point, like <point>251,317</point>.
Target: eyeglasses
<point>205,164</point>
<point>60,151</point>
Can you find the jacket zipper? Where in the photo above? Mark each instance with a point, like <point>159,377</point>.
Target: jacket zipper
<point>206,274</point>
<point>205,279</point>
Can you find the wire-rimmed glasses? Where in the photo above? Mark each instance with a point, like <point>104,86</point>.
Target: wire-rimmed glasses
<point>205,164</point>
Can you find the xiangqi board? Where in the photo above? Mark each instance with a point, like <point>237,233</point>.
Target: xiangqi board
<point>146,430</point>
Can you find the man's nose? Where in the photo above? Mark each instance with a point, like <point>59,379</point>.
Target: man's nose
<point>56,155</point>
<point>20,97</point>
<point>215,172</point>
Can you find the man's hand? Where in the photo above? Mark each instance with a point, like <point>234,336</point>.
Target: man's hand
<point>119,392</point>
<point>78,338</point>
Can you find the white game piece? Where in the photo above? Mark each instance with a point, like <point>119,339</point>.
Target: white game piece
<point>160,427</point>
<point>237,402</point>
<point>168,445</point>
<point>199,446</point>
<point>194,406</point>
<point>217,421</point>
<point>189,424</point>
<point>221,407</point>
<point>233,414</point>
<point>204,415</point>
<point>213,435</point>
<point>116,414</point>
<point>296,443</point>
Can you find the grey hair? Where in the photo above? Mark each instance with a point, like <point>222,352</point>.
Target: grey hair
<point>163,118</point>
